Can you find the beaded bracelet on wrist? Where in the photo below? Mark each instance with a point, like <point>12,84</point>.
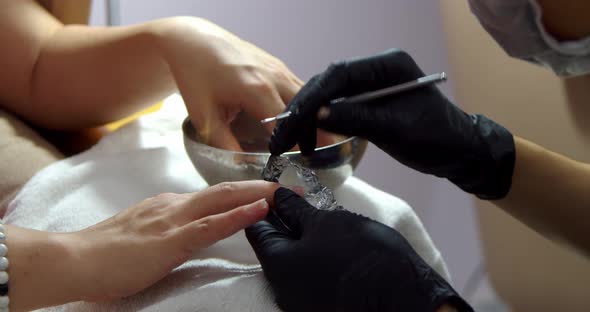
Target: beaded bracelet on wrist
<point>4,277</point>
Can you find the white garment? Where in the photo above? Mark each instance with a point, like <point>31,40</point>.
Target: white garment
<point>146,158</point>
<point>517,26</point>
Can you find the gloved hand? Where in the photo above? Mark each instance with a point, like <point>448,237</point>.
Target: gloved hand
<point>420,128</point>
<point>341,261</point>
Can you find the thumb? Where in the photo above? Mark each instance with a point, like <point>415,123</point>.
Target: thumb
<point>348,119</point>
<point>266,239</point>
<point>293,210</point>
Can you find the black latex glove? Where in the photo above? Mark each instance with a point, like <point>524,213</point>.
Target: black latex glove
<point>420,128</point>
<point>341,261</point>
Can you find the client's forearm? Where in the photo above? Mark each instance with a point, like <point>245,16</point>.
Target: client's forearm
<point>88,76</point>
<point>74,76</point>
<point>550,194</point>
<point>41,270</point>
<point>78,76</point>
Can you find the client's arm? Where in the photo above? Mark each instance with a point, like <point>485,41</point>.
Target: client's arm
<point>74,76</point>
<point>549,193</point>
<point>108,260</point>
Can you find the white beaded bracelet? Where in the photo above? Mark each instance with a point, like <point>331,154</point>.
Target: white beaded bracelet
<point>4,277</point>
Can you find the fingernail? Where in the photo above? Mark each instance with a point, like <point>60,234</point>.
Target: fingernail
<point>259,206</point>
<point>323,113</point>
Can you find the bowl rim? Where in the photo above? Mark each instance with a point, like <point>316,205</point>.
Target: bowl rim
<point>187,120</point>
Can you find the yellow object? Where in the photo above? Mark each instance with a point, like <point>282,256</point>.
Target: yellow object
<point>68,11</point>
<point>117,124</point>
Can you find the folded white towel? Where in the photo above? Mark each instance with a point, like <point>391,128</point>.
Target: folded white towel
<point>146,158</point>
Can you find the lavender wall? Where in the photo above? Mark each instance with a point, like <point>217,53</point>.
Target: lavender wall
<point>307,35</point>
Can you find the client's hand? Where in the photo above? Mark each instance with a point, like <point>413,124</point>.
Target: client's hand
<point>341,261</point>
<point>219,75</point>
<point>132,250</point>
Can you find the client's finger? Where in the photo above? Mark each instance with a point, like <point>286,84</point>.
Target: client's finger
<point>263,102</point>
<point>222,137</point>
<point>296,80</point>
<point>287,88</point>
<point>212,123</point>
<point>206,231</point>
<point>227,196</point>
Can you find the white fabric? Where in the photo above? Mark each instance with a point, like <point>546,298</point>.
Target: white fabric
<point>517,26</point>
<point>147,158</point>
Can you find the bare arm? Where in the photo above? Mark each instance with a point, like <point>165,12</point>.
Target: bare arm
<point>550,194</point>
<point>550,191</point>
<point>71,76</point>
<point>67,77</point>
<point>566,19</point>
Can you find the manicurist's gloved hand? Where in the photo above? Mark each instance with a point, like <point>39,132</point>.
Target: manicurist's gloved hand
<point>420,128</point>
<point>341,261</point>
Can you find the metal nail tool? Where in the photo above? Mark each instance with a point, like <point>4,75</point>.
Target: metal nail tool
<point>363,97</point>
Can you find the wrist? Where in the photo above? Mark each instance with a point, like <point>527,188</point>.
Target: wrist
<point>42,269</point>
<point>486,169</point>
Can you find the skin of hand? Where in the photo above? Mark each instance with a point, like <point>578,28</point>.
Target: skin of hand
<point>73,76</point>
<point>221,75</point>
<point>549,193</point>
<point>131,250</point>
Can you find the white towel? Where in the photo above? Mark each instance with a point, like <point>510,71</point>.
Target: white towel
<point>146,158</point>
